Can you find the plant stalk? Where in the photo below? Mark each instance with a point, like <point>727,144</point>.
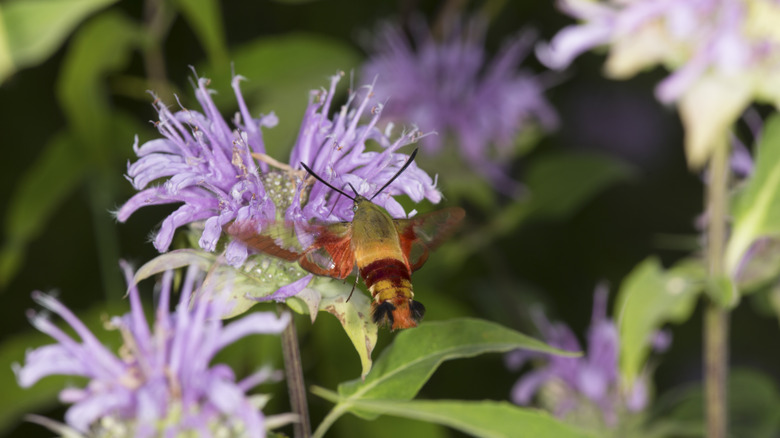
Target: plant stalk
<point>295,385</point>
<point>329,419</point>
<point>716,318</point>
<point>158,20</point>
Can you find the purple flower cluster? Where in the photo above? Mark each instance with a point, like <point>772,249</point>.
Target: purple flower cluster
<point>336,150</point>
<point>161,382</point>
<point>593,378</point>
<point>448,86</point>
<point>723,54</point>
<point>205,165</point>
<point>693,36</point>
<point>212,169</point>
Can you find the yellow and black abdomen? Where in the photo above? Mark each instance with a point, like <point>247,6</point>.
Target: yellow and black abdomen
<point>387,278</point>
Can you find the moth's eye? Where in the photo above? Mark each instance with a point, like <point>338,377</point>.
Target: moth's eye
<point>354,207</point>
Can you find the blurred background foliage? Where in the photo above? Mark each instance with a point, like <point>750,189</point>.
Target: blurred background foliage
<point>609,188</point>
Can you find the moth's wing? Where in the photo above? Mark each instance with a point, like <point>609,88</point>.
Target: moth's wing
<point>331,254</point>
<point>273,238</point>
<point>421,234</point>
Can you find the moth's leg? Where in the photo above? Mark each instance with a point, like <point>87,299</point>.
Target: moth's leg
<point>357,277</point>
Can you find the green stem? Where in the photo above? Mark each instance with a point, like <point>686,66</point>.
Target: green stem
<point>295,384</point>
<point>329,419</point>
<point>158,21</point>
<point>716,318</point>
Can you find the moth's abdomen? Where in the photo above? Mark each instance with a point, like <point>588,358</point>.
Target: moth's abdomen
<point>387,278</point>
<point>389,281</point>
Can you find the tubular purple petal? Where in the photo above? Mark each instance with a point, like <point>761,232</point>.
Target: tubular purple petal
<point>571,42</point>
<point>262,375</point>
<point>227,396</point>
<point>82,414</point>
<point>287,291</point>
<point>102,363</point>
<point>592,381</point>
<point>139,324</point>
<point>256,323</point>
<point>72,395</point>
<point>526,387</point>
<point>636,400</point>
<point>48,360</point>
<point>185,214</point>
<point>661,340</point>
<point>236,253</point>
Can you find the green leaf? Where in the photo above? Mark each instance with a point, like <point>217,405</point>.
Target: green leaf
<point>416,353</point>
<point>756,211</point>
<point>479,418</point>
<point>44,185</point>
<point>354,316</point>
<point>648,298</point>
<point>205,19</point>
<point>32,30</point>
<point>387,427</point>
<point>174,260</point>
<point>262,275</point>
<point>101,46</point>
<point>281,70</point>
<point>17,401</point>
<point>560,184</point>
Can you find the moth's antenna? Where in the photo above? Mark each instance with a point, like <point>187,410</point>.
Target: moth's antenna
<point>311,172</point>
<point>353,189</point>
<point>400,171</point>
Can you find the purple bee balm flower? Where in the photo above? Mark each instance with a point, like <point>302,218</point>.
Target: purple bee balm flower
<point>448,86</point>
<point>161,382</point>
<point>206,165</point>
<point>210,168</point>
<point>593,377</point>
<point>723,54</point>
<point>336,151</point>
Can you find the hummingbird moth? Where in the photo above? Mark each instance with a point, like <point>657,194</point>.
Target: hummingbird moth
<point>385,250</point>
